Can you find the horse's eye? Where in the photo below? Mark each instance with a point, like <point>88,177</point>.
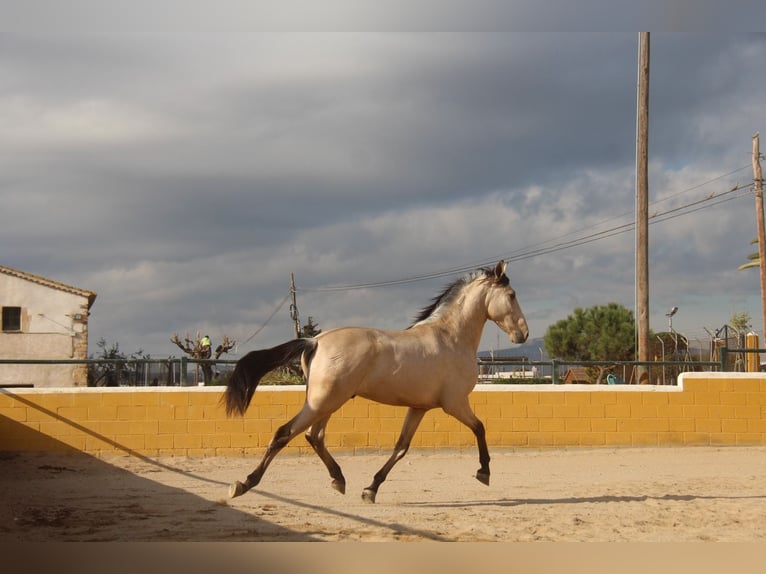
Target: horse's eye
<point>512,295</point>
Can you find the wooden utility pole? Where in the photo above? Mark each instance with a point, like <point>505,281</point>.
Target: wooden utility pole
<point>642,208</point>
<point>758,181</point>
<point>294,308</point>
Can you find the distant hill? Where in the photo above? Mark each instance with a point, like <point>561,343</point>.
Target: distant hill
<point>530,350</point>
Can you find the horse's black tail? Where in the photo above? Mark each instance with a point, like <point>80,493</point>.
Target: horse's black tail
<point>252,367</point>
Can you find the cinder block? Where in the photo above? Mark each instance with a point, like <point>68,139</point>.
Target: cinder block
<point>513,439</point>
<point>273,412</point>
<point>159,441</point>
<point>577,398</point>
<point>73,413</point>
<point>552,425</point>
<point>142,398</point>
<point>487,411</point>
<point>497,398</point>
<point>641,411</point>
<point>591,411</point>
<point>696,438</point>
<point>457,439</point>
<point>86,399</point>
<point>130,413</point>
<point>723,439</point>
<point>132,442</point>
<point>757,398</point>
<point>526,398</point>
<point>216,441</point>
<point>369,425</point>
<point>592,439</point>
<point>644,438</point>
<point>526,425</point>
<point>514,411</point>
<point>201,427</point>
<point>654,398</point>
<point>143,427</point>
<point>747,412</point>
<point>696,411</point>
<point>670,411</point>
<point>539,411</point>
<point>603,425</point>
<point>502,424</point>
<point>756,425</point>
<point>670,438</point>
<point>603,398</point>
<point>683,398</point>
<point>552,398</point>
<point>617,411</point>
<point>739,399</point>
<point>172,427</point>
<point>196,397</point>
<point>749,438</point>
<point>158,413</point>
<point>540,439</point>
<point>707,398</point>
<point>681,425</point>
<point>566,439</point>
<point>577,425</point>
<point>566,411</point>
<point>355,408</point>
<point>618,438</point>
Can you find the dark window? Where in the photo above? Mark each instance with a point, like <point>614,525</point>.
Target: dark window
<point>11,318</point>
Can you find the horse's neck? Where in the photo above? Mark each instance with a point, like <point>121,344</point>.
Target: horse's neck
<point>465,317</point>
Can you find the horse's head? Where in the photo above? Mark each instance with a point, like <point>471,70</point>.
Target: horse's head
<point>503,308</point>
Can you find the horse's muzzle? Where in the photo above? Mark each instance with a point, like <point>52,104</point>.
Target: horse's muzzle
<point>520,335</point>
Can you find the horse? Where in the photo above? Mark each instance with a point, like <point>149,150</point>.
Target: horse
<point>430,364</point>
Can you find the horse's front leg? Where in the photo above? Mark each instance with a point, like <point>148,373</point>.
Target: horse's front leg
<point>465,415</point>
<point>411,422</point>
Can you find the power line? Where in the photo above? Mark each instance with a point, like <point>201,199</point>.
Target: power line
<point>270,317</point>
<point>540,249</point>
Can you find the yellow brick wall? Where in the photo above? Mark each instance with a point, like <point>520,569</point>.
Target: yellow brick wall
<point>705,409</point>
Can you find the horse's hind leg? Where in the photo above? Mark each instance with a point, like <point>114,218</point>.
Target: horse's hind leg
<point>411,422</point>
<point>315,437</point>
<point>284,435</point>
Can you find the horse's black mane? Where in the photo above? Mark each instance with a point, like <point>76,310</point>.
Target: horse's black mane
<point>453,289</point>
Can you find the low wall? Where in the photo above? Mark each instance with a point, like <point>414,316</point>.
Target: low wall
<point>705,409</point>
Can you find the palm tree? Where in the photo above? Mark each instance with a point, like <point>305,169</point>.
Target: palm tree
<point>754,260</point>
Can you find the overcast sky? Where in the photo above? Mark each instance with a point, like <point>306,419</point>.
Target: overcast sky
<point>184,175</point>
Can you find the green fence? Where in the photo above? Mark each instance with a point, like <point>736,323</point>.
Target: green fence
<point>184,371</point>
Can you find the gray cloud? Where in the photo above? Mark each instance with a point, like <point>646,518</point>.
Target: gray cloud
<point>184,177</point>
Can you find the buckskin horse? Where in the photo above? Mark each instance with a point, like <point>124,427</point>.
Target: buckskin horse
<point>430,364</point>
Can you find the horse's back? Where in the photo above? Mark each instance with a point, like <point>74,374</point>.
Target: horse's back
<point>409,367</point>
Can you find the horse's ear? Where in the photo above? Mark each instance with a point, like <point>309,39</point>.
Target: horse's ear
<point>500,269</point>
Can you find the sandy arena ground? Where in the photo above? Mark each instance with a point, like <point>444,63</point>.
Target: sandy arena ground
<point>627,494</point>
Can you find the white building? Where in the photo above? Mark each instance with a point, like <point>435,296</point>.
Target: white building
<point>45,320</point>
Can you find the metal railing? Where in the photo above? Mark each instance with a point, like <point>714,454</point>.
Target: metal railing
<point>184,371</point>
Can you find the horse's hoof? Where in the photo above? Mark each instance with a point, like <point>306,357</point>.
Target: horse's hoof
<point>339,486</point>
<point>483,477</point>
<point>369,495</point>
<point>237,489</point>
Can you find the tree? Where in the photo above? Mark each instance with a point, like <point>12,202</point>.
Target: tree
<point>197,349</point>
<point>116,367</point>
<point>310,329</point>
<point>600,333</point>
<point>741,321</point>
<point>754,259</point>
